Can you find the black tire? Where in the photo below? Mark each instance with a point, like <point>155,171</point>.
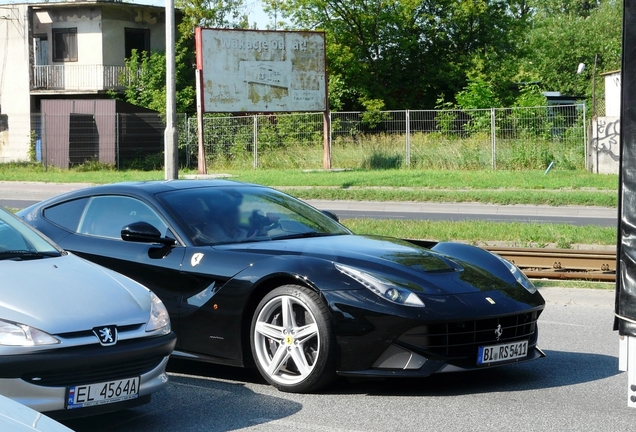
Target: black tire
<point>294,351</point>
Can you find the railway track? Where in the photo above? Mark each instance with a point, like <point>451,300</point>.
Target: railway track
<point>570,264</point>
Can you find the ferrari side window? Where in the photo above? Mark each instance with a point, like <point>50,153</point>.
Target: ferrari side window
<point>68,214</point>
<point>105,216</point>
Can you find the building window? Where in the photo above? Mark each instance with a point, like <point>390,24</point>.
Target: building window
<point>65,44</point>
<point>4,122</point>
<point>136,39</point>
<point>41,49</point>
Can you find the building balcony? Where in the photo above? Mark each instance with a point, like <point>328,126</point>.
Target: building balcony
<point>78,78</point>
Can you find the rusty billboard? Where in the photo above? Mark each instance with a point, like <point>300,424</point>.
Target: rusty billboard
<point>261,71</point>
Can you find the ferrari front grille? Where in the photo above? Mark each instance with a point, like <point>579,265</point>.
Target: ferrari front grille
<point>461,339</point>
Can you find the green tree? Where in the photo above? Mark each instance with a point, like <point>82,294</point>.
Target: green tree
<point>478,94</point>
<point>146,85</point>
<point>559,42</point>
<point>210,13</point>
<point>531,95</point>
<point>582,8</point>
<point>406,52</point>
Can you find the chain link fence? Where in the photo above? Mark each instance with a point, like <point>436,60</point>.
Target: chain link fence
<point>500,138</point>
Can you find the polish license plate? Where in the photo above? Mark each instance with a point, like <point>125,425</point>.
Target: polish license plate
<point>502,352</point>
<point>102,393</point>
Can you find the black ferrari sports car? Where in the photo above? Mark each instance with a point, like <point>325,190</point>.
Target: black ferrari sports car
<point>252,276</point>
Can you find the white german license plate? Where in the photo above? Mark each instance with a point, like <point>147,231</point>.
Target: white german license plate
<point>502,352</point>
<point>102,393</point>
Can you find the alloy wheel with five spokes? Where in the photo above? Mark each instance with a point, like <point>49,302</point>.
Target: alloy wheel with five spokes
<point>292,340</point>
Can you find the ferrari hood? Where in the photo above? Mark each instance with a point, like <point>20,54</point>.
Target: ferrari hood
<point>375,250</point>
<point>404,262</point>
<point>67,294</point>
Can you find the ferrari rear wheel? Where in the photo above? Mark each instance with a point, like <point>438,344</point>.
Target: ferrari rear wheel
<point>292,340</point>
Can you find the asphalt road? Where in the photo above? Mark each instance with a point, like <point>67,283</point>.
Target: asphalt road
<point>574,215</point>
<point>22,194</point>
<point>577,387</point>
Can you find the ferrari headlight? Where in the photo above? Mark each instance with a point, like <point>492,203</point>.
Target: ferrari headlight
<point>159,318</point>
<point>519,275</point>
<point>15,334</point>
<point>382,287</point>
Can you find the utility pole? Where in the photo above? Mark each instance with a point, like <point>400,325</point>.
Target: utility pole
<point>170,134</point>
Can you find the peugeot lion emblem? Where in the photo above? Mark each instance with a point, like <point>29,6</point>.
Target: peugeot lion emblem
<point>107,335</point>
<point>498,331</point>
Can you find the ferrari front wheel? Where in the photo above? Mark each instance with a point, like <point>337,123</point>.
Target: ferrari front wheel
<point>292,340</point>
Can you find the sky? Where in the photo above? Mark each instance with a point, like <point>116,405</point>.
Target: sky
<point>253,9</point>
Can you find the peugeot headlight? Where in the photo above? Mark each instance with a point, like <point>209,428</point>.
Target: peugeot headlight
<point>15,334</point>
<point>519,275</point>
<point>159,318</point>
<point>382,287</point>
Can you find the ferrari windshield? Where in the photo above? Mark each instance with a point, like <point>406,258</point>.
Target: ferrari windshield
<point>18,240</point>
<point>221,215</point>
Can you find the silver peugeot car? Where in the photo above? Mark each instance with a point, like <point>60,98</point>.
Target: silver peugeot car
<point>75,338</point>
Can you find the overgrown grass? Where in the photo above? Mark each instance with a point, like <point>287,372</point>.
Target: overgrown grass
<point>288,143</point>
<point>488,233</point>
<point>443,179</point>
<point>544,283</point>
<point>501,197</point>
<point>556,188</point>
<point>433,179</point>
<point>99,174</point>
<point>443,152</point>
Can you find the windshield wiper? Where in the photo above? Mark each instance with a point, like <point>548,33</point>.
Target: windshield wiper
<point>27,255</point>
<point>303,235</point>
<point>280,237</point>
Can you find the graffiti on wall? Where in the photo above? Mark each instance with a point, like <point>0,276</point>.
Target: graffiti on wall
<point>606,137</point>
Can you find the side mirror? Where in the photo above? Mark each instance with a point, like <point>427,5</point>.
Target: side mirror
<point>145,233</point>
<point>332,215</point>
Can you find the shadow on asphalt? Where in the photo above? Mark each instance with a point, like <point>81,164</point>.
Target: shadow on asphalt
<point>557,369</point>
<point>199,392</point>
<point>196,402</point>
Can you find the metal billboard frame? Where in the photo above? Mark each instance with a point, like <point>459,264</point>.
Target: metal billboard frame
<point>261,71</point>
